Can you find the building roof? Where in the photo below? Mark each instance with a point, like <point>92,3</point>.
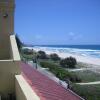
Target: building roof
<point>44,87</point>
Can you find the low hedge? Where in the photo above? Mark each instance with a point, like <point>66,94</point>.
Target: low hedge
<point>60,72</point>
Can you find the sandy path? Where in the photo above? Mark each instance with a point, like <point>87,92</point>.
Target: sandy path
<point>89,83</point>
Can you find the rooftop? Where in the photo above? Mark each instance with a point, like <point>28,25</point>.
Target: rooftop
<point>44,87</point>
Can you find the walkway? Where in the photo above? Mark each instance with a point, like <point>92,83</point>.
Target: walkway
<point>89,83</point>
<point>95,69</point>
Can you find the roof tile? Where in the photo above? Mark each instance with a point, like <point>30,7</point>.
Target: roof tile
<point>45,88</point>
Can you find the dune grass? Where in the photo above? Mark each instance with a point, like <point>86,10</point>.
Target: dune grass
<point>88,92</point>
<point>87,76</point>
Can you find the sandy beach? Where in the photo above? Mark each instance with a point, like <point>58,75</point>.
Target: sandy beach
<point>84,59</point>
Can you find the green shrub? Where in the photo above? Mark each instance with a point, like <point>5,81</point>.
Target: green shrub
<point>69,62</point>
<point>54,57</point>
<point>27,51</point>
<point>42,55</point>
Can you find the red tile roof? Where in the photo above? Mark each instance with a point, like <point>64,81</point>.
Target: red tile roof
<point>45,88</point>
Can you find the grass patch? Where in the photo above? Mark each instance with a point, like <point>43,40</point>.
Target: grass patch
<point>88,76</point>
<point>88,92</point>
<point>49,61</point>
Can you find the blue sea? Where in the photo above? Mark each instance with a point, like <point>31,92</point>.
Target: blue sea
<point>83,50</point>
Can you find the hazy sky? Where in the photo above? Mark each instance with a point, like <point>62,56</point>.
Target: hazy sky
<point>58,21</point>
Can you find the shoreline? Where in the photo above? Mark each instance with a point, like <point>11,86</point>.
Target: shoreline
<point>79,58</point>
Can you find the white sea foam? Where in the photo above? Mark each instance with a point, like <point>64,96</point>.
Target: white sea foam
<point>82,52</point>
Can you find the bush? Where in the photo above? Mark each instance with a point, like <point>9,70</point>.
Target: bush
<point>60,72</point>
<point>42,55</point>
<point>27,51</point>
<point>69,62</point>
<point>54,57</point>
<point>74,78</point>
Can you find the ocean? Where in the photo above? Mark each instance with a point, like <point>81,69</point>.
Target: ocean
<point>92,47</point>
<point>81,50</point>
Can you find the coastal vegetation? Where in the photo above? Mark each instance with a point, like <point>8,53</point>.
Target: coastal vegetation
<point>54,57</point>
<point>26,54</point>
<point>88,92</point>
<point>68,62</point>
<point>41,55</point>
<point>87,76</point>
<point>60,72</point>
<point>27,51</point>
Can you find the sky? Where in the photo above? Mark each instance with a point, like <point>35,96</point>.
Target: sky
<point>56,22</point>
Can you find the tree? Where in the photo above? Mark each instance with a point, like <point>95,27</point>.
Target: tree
<point>19,43</point>
<point>54,57</point>
<point>69,62</point>
<point>42,55</point>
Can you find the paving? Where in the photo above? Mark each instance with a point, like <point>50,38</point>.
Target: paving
<point>89,83</point>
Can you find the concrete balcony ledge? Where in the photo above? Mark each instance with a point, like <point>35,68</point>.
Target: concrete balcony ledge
<point>23,89</point>
<point>14,49</point>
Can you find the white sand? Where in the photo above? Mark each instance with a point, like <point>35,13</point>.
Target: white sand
<point>84,59</point>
